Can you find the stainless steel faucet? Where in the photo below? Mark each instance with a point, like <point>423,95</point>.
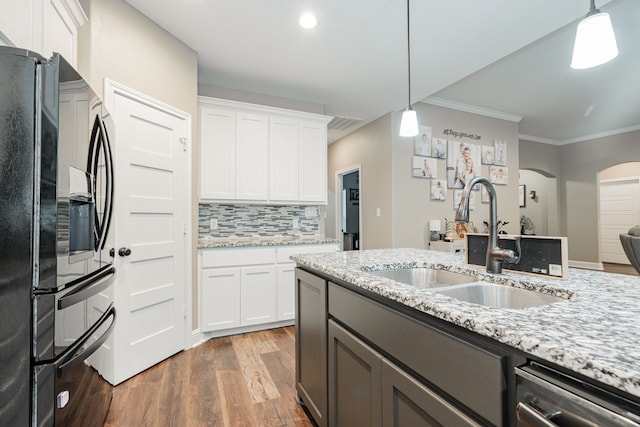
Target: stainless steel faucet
<point>495,254</point>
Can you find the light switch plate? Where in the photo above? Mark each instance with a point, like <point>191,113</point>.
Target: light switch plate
<point>213,224</point>
<point>311,212</point>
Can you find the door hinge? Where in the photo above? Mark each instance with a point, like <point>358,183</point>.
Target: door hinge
<point>184,141</point>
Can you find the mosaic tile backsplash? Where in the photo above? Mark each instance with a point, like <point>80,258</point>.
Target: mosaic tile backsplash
<point>251,221</point>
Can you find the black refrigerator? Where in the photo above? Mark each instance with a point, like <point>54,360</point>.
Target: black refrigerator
<point>56,193</point>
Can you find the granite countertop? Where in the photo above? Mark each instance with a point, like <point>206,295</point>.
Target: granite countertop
<point>247,242</point>
<point>595,332</point>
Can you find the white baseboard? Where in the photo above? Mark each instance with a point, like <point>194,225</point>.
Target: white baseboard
<point>198,337</point>
<point>586,265</point>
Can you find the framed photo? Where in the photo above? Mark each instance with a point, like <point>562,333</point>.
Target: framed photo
<point>463,163</point>
<point>500,152</point>
<point>354,194</point>
<point>438,189</point>
<point>522,199</point>
<point>498,175</point>
<point>438,148</point>
<point>484,194</point>
<point>460,229</point>
<point>457,197</point>
<point>422,142</point>
<point>424,167</point>
<point>487,155</point>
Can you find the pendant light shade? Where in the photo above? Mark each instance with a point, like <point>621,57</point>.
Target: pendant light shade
<point>409,122</point>
<point>595,41</point>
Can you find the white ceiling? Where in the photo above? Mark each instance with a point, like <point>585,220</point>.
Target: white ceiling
<point>503,55</point>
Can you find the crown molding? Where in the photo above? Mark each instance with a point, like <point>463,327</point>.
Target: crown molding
<point>540,139</point>
<point>472,109</point>
<point>600,135</point>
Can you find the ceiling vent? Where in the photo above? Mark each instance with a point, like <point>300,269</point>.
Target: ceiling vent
<point>343,123</point>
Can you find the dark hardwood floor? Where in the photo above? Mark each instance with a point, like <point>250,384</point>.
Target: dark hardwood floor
<point>241,380</point>
<point>619,268</point>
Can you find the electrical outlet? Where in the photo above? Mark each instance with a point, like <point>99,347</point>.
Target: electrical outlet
<point>213,224</point>
<point>296,223</point>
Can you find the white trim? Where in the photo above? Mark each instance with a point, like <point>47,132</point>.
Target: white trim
<point>205,336</point>
<point>583,138</point>
<point>586,265</point>
<point>111,88</point>
<point>338,208</point>
<point>76,13</point>
<point>616,181</point>
<point>238,105</point>
<point>439,102</point>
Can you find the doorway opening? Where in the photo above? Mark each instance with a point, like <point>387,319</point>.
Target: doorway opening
<point>348,207</point>
<point>619,209</point>
<point>539,203</point>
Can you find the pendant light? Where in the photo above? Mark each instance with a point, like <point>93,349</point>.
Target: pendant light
<point>595,41</point>
<point>409,122</point>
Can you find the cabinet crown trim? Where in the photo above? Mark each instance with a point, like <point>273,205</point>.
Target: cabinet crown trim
<point>205,101</point>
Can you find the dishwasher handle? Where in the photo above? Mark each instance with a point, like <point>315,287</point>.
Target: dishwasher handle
<point>528,416</point>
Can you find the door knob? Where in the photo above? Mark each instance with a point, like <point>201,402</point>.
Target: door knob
<point>124,251</point>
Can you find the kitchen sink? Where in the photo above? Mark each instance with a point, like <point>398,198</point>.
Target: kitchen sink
<point>426,278</point>
<point>498,296</point>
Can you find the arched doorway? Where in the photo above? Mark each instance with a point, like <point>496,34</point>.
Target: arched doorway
<point>619,208</point>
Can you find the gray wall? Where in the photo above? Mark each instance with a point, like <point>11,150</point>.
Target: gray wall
<point>404,201</point>
<point>413,207</point>
<point>369,147</point>
<point>577,166</point>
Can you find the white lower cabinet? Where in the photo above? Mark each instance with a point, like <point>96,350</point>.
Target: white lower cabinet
<point>286,291</point>
<point>257,295</point>
<point>220,292</point>
<point>252,288</point>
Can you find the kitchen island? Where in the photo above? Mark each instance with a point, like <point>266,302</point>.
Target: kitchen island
<point>594,332</point>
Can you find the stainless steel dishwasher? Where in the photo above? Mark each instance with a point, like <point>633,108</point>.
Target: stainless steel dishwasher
<point>549,398</point>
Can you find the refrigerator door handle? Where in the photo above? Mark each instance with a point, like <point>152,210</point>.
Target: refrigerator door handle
<point>88,288</point>
<point>75,353</point>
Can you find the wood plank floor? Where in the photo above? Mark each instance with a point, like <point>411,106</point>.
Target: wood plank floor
<point>241,381</point>
<point>619,268</point>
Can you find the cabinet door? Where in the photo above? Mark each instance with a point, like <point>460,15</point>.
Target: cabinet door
<point>311,344</point>
<point>217,154</point>
<point>286,291</point>
<point>283,159</point>
<point>220,305</point>
<point>354,380</point>
<point>258,295</point>
<point>312,156</point>
<point>408,403</point>
<point>252,157</point>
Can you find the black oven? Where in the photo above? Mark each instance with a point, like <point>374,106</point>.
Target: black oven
<point>57,184</point>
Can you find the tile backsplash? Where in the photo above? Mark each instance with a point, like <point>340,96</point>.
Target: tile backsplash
<point>254,220</point>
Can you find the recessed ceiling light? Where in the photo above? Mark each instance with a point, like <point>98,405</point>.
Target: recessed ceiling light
<point>308,21</point>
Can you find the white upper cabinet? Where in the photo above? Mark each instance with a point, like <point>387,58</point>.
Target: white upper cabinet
<point>218,154</point>
<point>283,159</point>
<point>312,162</point>
<point>43,26</point>
<point>252,156</point>
<point>257,154</point>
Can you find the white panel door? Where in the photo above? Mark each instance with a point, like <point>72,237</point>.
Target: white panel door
<point>619,211</point>
<point>217,153</point>
<point>252,157</point>
<point>151,203</point>
<point>220,299</point>
<point>258,295</point>
<point>312,185</point>
<point>283,159</point>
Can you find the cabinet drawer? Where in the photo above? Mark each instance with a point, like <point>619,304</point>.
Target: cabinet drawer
<point>470,374</point>
<point>285,252</point>
<point>236,257</point>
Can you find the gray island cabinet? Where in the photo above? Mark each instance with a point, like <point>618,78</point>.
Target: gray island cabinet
<point>372,350</point>
<point>364,363</point>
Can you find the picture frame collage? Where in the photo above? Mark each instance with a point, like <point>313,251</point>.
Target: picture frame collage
<point>463,161</point>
